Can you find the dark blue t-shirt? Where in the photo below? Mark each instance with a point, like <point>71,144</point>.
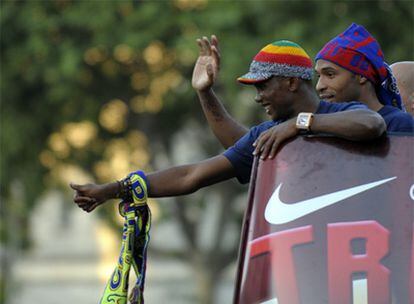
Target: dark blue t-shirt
<point>240,155</point>
<point>397,120</point>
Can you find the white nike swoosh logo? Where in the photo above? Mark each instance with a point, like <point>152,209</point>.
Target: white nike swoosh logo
<point>277,212</point>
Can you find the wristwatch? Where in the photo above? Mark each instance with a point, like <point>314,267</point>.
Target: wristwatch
<point>304,121</point>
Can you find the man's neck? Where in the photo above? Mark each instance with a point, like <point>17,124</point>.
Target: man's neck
<point>309,102</point>
<point>369,97</point>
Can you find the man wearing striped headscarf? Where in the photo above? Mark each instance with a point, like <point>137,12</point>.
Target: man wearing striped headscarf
<point>351,67</point>
<point>370,82</point>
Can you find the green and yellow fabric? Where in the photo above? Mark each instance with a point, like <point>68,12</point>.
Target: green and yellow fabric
<point>135,238</point>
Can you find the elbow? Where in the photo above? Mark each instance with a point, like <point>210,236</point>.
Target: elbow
<point>378,126</point>
<point>190,183</point>
<point>374,126</point>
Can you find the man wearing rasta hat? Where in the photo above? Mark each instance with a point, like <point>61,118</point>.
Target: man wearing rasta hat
<point>281,73</point>
<point>351,67</point>
<point>368,79</point>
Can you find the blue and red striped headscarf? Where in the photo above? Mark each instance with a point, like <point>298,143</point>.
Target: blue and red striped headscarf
<point>357,51</point>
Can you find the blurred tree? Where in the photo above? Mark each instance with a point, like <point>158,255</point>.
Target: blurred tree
<point>94,90</point>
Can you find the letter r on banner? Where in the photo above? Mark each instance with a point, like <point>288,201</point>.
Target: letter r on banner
<point>342,263</point>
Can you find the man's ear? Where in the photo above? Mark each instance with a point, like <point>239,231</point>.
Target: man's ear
<point>362,79</point>
<point>293,84</point>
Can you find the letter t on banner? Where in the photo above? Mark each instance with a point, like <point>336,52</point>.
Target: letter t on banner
<point>280,246</point>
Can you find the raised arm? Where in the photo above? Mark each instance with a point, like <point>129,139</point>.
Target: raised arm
<point>170,182</point>
<point>356,125</point>
<point>205,73</point>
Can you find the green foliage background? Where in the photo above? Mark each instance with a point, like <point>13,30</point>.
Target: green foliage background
<point>48,81</point>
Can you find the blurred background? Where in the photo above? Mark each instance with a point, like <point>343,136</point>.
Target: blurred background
<point>91,90</point>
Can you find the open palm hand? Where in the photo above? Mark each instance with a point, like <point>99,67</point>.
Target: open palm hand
<point>207,65</point>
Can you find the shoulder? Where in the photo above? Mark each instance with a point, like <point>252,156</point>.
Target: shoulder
<point>331,107</point>
<point>256,130</point>
<point>244,146</point>
<point>265,125</point>
<point>397,120</point>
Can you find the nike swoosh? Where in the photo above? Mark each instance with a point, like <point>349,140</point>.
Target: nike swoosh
<point>277,212</point>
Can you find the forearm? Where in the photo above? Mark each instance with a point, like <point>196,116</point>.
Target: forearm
<point>224,127</point>
<point>172,182</point>
<point>353,125</point>
<point>189,178</point>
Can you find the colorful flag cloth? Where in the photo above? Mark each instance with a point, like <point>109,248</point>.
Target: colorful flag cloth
<point>357,51</point>
<point>135,238</point>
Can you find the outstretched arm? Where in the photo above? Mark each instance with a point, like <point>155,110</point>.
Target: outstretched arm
<point>170,182</point>
<point>356,125</point>
<point>205,73</point>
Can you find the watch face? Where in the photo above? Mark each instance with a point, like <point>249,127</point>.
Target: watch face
<point>303,120</point>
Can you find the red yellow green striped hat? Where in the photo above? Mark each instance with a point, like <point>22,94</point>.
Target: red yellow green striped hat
<point>280,58</point>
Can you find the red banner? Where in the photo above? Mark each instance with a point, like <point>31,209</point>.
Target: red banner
<point>330,221</point>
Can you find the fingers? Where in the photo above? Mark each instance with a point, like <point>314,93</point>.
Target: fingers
<point>266,145</point>
<point>214,42</point>
<point>201,48</point>
<point>260,143</point>
<point>274,148</point>
<point>210,72</point>
<point>269,141</point>
<point>206,48</point>
<point>215,49</point>
<point>86,203</point>
<point>88,208</point>
<point>83,199</point>
<point>206,45</point>
<point>216,55</point>
<point>75,187</point>
<point>265,149</point>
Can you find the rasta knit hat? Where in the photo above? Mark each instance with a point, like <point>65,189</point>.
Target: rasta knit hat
<point>280,58</point>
